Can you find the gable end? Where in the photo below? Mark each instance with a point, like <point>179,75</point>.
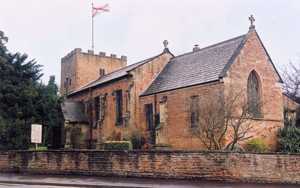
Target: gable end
<point>237,52</point>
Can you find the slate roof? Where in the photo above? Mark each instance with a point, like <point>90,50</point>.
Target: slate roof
<point>203,66</point>
<point>122,72</point>
<point>74,112</point>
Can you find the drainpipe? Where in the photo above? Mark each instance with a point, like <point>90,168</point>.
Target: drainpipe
<point>155,117</point>
<point>91,118</point>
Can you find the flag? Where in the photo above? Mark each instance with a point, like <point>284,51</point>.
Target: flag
<point>96,10</point>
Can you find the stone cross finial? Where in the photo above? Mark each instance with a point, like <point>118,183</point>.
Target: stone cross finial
<point>165,43</point>
<point>252,20</point>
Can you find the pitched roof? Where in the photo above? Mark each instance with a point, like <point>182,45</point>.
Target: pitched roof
<point>122,72</point>
<point>203,66</point>
<point>74,112</point>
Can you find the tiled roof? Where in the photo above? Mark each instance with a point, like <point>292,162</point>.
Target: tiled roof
<point>206,65</point>
<point>74,112</point>
<point>115,74</point>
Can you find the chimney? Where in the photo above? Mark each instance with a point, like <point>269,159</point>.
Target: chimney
<point>101,72</point>
<point>196,48</point>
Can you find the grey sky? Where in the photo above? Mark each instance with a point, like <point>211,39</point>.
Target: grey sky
<point>48,29</point>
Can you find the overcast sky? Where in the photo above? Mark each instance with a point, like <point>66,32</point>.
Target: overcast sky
<point>49,29</point>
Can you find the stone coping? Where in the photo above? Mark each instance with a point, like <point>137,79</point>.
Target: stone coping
<point>145,151</point>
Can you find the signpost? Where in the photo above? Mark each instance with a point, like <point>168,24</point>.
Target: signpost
<point>36,134</point>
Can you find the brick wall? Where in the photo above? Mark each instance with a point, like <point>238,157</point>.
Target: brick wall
<point>271,168</point>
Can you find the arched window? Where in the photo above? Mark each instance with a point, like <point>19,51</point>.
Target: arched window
<point>254,95</point>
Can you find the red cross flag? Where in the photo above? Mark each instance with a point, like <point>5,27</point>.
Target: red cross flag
<point>100,9</point>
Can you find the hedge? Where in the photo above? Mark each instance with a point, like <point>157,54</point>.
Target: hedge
<point>117,145</point>
<point>256,145</point>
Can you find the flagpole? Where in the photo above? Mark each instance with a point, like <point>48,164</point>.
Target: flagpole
<point>92,28</point>
<point>94,13</point>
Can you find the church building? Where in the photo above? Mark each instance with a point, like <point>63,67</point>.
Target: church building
<point>165,99</point>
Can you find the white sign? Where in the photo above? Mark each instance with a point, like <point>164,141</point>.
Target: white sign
<point>36,133</point>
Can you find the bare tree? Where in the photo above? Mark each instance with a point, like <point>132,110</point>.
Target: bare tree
<point>291,77</point>
<point>238,119</point>
<point>291,86</point>
<point>210,129</point>
<point>224,121</point>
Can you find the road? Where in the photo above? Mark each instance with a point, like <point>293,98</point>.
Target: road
<point>34,181</point>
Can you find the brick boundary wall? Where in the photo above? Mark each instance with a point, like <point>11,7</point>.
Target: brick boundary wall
<point>222,166</point>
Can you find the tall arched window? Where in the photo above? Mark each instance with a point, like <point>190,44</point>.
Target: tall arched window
<point>254,95</point>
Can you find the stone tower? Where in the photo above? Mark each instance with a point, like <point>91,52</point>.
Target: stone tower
<point>80,68</point>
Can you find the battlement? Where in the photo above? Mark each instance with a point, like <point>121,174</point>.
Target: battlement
<point>91,53</point>
<point>79,68</point>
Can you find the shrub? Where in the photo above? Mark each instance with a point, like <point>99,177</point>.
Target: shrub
<point>117,145</point>
<point>298,117</point>
<point>256,145</point>
<point>137,140</point>
<point>289,139</point>
<point>163,146</point>
<point>40,148</point>
<point>14,134</point>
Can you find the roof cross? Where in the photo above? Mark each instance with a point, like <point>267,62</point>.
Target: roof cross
<point>252,20</point>
<point>166,43</point>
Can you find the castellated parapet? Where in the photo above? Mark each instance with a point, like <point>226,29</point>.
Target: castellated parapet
<point>79,68</point>
<point>91,52</point>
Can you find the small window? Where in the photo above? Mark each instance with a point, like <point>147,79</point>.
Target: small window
<point>119,107</point>
<point>194,107</point>
<point>102,101</point>
<point>149,116</point>
<point>101,72</point>
<point>86,108</point>
<point>157,120</point>
<point>66,82</point>
<point>97,108</point>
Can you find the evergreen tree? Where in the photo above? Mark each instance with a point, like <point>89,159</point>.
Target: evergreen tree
<point>289,139</point>
<point>23,99</point>
<point>49,110</point>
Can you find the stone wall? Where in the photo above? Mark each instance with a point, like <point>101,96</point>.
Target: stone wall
<point>245,167</point>
<point>143,77</point>
<point>82,68</point>
<point>253,57</point>
<point>108,127</point>
<point>177,132</point>
<point>132,86</point>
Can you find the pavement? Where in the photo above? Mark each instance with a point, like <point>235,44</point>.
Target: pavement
<point>34,181</point>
